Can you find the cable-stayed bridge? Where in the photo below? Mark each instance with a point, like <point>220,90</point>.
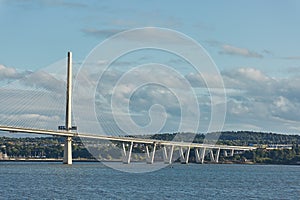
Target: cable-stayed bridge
<point>19,108</point>
<point>168,146</point>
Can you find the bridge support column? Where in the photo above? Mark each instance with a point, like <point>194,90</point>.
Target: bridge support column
<point>168,155</point>
<point>225,153</point>
<point>200,156</point>
<point>127,154</point>
<point>184,159</point>
<point>150,156</point>
<point>68,151</point>
<point>211,153</point>
<point>197,155</point>
<point>232,152</point>
<point>217,155</point>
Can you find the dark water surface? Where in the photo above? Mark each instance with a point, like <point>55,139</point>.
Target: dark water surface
<point>96,181</point>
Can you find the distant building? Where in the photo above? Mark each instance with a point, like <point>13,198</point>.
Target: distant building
<point>279,146</point>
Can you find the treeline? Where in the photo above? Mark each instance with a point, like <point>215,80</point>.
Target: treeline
<point>260,138</point>
<point>275,156</point>
<point>42,147</point>
<point>52,147</point>
<point>237,138</point>
<point>249,138</point>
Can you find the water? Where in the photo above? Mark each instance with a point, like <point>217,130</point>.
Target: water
<point>96,181</point>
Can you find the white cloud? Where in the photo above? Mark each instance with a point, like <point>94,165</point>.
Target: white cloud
<point>101,32</point>
<point>262,101</point>
<point>44,3</point>
<point>142,88</point>
<point>237,108</point>
<point>253,74</point>
<point>256,100</point>
<point>204,80</point>
<point>9,73</point>
<point>232,50</point>
<point>292,58</point>
<point>285,108</point>
<point>31,80</point>
<point>250,79</point>
<point>44,80</point>
<point>228,49</point>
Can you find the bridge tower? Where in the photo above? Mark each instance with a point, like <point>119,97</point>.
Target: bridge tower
<point>68,126</point>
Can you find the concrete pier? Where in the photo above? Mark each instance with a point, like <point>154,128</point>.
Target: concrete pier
<point>168,154</point>
<point>184,155</point>
<point>150,156</point>
<point>68,151</point>
<point>126,154</point>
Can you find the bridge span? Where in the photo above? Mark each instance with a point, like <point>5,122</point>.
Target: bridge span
<point>168,146</point>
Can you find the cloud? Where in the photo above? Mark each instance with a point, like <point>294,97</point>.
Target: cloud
<point>268,52</point>
<point>291,58</point>
<point>153,35</point>
<point>149,95</point>
<point>30,80</point>
<point>256,100</point>
<point>293,70</point>
<point>44,80</point>
<point>202,80</point>
<point>9,73</point>
<point>261,100</point>
<point>147,36</point>
<point>41,3</point>
<point>69,4</point>
<point>227,49</point>
<point>237,51</point>
<point>101,33</point>
<point>244,78</point>
<point>202,26</point>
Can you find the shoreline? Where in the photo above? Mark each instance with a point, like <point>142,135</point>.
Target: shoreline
<point>45,160</point>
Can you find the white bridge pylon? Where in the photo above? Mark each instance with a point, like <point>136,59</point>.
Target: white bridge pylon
<point>68,126</point>
<point>168,147</point>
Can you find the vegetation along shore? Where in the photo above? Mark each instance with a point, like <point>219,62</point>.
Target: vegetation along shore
<point>272,148</point>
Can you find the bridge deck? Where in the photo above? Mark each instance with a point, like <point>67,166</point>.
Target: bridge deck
<point>122,139</point>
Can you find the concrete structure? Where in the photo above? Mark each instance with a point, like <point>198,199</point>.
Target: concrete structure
<point>68,126</point>
<point>150,156</point>
<point>168,146</point>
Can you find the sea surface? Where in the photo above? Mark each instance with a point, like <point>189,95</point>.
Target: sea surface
<point>23,180</point>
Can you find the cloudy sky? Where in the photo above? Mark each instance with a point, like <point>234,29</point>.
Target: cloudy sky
<point>254,44</point>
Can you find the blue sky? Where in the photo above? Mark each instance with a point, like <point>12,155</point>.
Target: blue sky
<point>255,44</point>
<point>50,28</point>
